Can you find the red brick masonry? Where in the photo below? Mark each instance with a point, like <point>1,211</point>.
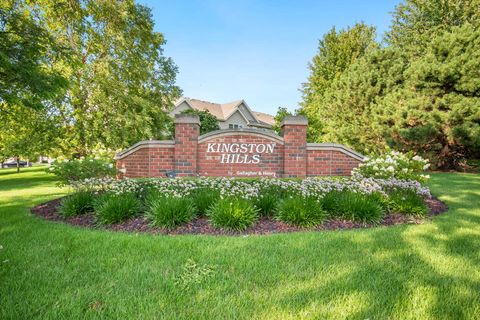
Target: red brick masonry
<point>236,152</point>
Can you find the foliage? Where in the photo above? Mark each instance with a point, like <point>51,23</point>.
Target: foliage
<point>236,203</point>
<point>282,112</point>
<point>71,171</point>
<point>169,212</point>
<point>27,132</point>
<point>415,22</point>
<point>329,201</point>
<point>444,105</point>
<point>233,214</point>
<point>208,122</point>
<point>419,93</point>
<point>358,207</point>
<point>27,54</point>
<point>118,77</point>
<point>402,166</point>
<point>407,202</point>
<point>336,51</point>
<point>111,208</point>
<point>78,203</point>
<point>251,189</point>
<point>267,201</point>
<point>300,211</point>
<point>204,198</point>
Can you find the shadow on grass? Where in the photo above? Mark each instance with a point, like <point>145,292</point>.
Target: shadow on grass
<point>410,271</point>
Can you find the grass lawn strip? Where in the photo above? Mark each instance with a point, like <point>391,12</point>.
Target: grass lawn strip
<point>427,271</point>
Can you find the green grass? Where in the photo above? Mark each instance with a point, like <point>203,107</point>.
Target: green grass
<point>52,271</point>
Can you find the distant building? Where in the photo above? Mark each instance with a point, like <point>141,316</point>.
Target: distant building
<point>232,115</point>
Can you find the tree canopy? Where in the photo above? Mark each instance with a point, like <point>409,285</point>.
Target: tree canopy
<point>27,55</point>
<point>118,85</point>
<point>208,122</point>
<point>336,51</point>
<point>419,92</point>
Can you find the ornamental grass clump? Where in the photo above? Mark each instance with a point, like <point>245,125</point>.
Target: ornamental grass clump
<point>169,212</point>
<point>204,198</point>
<point>300,211</point>
<point>112,208</point>
<point>267,201</point>
<point>233,214</point>
<point>76,204</point>
<point>407,202</point>
<point>358,207</point>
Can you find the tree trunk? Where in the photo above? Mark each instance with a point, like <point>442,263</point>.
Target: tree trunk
<point>18,164</point>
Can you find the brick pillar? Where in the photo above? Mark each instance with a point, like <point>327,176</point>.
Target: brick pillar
<point>187,130</point>
<point>294,130</point>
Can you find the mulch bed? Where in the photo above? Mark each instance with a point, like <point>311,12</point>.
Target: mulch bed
<point>201,225</point>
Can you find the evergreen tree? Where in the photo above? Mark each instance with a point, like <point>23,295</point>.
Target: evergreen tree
<point>437,112</point>
<point>417,22</point>
<point>336,51</point>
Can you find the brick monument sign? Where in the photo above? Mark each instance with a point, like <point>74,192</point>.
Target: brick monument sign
<point>236,153</point>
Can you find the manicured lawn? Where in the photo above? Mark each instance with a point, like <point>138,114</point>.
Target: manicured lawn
<point>51,271</point>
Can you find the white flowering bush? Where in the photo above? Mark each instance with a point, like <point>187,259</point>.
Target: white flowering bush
<point>393,165</point>
<point>72,171</point>
<point>250,189</point>
<point>356,198</point>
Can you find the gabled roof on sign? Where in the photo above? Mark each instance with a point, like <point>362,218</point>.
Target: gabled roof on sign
<point>222,111</point>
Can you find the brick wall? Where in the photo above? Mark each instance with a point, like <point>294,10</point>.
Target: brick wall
<point>192,155</point>
<point>187,130</point>
<point>270,164</point>
<point>329,162</point>
<point>146,159</point>
<point>294,131</point>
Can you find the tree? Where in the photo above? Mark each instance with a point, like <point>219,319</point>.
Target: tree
<point>208,122</point>
<point>282,112</point>
<point>27,133</point>
<point>417,22</point>
<point>336,51</point>
<point>121,84</point>
<point>428,104</point>
<point>437,111</point>
<point>420,92</point>
<point>348,104</point>
<point>27,54</point>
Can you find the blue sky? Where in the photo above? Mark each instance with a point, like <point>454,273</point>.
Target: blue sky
<point>254,50</point>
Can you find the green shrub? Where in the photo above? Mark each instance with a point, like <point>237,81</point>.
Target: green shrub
<point>267,202</point>
<point>204,198</point>
<point>70,171</point>
<point>112,208</point>
<point>359,207</point>
<point>329,202</point>
<point>169,212</point>
<point>394,164</point>
<point>381,199</point>
<point>300,211</point>
<point>78,203</point>
<point>233,214</point>
<point>407,202</point>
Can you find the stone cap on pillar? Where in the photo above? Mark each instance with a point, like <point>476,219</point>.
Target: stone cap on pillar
<point>294,120</point>
<point>187,118</point>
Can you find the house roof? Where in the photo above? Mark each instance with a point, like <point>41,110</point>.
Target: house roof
<point>222,111</point>
<point>264,117</point>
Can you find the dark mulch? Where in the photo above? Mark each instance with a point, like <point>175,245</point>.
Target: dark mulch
<point>265,225</point>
